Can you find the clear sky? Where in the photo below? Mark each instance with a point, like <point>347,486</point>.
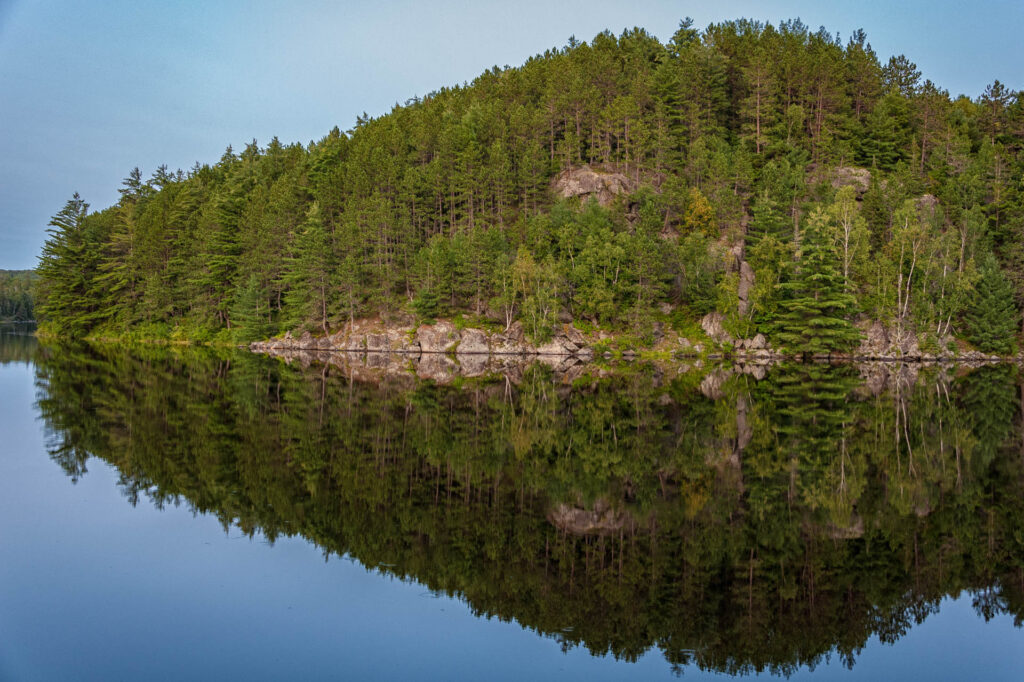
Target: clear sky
<point>90,89</point>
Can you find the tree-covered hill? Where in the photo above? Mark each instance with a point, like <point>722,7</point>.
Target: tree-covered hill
<point>775,174</point>
<point>16,304</point>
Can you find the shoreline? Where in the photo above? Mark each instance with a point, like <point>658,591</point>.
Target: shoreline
<point>444,338</point>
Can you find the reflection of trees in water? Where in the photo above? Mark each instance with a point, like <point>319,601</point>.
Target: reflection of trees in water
<point>734,524</point>
<point>17,344</point>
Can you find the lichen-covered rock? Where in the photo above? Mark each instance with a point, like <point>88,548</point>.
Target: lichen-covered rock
<point>553,347</point>
<point>473,342</point>
<point>440,337</point>
<point>712,326</point>
<point>502,345</point>
<point>377,343</point>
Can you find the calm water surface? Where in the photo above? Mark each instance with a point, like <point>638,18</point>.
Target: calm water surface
<point>198,515</point>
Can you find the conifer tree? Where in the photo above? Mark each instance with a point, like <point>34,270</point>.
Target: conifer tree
<point>815,307</point>
<point>67,267</point>
<point>310,274</point>
<point>991,319</point>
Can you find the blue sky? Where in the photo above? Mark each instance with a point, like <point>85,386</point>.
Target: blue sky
<point>89,90</point>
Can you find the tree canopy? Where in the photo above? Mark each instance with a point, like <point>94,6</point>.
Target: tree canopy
<point>711,144</point>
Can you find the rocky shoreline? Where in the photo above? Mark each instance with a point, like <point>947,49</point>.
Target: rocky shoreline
<point>366,357</point>
<point>879,343</point>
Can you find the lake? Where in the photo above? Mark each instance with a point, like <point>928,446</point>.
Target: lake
<point>200,514</point>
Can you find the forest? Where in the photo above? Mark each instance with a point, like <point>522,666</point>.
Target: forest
<point>16,300</point>
<point>761,526</point>
<point>780,176</point>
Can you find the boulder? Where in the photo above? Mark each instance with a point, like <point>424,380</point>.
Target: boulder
<point>502,345</point>
<point>440,337</point>
<point>712,326</point>
<point>553,347</point>
<point>757,343</point>
<point>473,342</point>
<point>515,332</point>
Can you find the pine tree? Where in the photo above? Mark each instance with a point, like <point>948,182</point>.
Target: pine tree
<point>815,308</point>
<point>311,273</point>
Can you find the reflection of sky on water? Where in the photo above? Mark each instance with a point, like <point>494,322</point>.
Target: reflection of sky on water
<point>91,588</point>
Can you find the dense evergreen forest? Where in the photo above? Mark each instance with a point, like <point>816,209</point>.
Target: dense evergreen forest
<point>786,179</point>
<point>16,295</point>
<point>762,525</point>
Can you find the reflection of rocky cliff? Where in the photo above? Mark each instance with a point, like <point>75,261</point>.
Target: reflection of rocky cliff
<point>758,525</point>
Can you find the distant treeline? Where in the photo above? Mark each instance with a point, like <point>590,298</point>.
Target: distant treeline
<point>848,188</point>
<point>16,295</point>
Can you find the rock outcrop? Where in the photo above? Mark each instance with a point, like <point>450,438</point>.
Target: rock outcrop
<point>712,326</point>
<point>440,338</point>
<point>848,176</point>
<point>585,183</point>
<point>745,286</point>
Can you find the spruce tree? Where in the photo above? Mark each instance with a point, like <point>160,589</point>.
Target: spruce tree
<point>991,319</point>
<point>815,308</point>
<point>66,268</point>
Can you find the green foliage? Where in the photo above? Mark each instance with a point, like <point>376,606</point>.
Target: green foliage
<point>815,308</point>
<point>426,305</point>
<point>991,318</point>
<point>69,299</point>
<point>710,147</point>
<point>16,299</point>
<point>633,511</point>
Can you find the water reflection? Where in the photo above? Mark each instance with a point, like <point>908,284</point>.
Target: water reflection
<point>732,523</point>
<point>17,342</point>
